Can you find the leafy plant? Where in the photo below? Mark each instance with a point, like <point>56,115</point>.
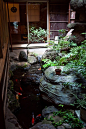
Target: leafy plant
<point>68,117</point>
<point>62,32</point>
<point>71,85</point>
<point>77,59</point>
<point>37,35</point>
<point>80,102</point>
<point>48,63</point>
<point>63,42</point>
<point>61,105</point>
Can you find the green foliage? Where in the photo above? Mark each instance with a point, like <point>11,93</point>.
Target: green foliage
<point>70,85</point>
<point>83,33</point>
<point>80,102</point>
<point>13,103</point>
<point>61,32</point>
<point>62,61</point>
<point>48,63</point>
<point>68,117</point>
<point>11,85</point>
<point>37,35</point>
<point>61,105</point>
<point>11,73</point>
<point>57,62</point>
<point>77,59</point>
<point>63,42</point>
<point>25,65</point>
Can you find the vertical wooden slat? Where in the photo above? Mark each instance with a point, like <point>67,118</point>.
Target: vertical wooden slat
<point>1,55</point>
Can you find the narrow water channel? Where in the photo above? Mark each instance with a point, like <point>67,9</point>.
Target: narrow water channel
<point>30,100</point>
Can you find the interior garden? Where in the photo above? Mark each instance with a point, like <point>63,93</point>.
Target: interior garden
<point>55,84</point>
<point>49,91</point>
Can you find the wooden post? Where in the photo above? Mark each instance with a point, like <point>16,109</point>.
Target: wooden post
<point>1,55</point>
<point>48,29</point>
<point>69,14</point>
<point>9,27</point>
<point>27,23</point>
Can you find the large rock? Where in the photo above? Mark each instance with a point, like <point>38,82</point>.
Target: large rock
<point>50,54</point>
<point>15,65</point>
<point>48,110</point>
<point>54,88</point>
<point>32,59</point>
<point>43,126</point>
<point>11,120</point>
<point>22,56</point>
<point>12,66</point>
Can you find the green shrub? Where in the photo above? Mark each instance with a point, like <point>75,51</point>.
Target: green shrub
<point>37,35</point>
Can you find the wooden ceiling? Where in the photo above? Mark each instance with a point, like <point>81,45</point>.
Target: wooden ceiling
<point>51,1</point>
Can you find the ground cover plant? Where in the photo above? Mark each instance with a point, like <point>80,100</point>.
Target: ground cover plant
<point>80,102</point>
<point>67,117</point>
<point>77,59</point>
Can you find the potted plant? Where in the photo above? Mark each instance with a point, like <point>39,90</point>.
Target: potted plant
<point>81,103</point>
<point>58,71</point>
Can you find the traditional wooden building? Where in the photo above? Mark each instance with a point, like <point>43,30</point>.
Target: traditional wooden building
<point>14,28</point>
<point>4,60</point>
<point>51,15</point>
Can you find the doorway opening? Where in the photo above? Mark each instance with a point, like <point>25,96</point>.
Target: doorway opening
<point>20,26</point>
